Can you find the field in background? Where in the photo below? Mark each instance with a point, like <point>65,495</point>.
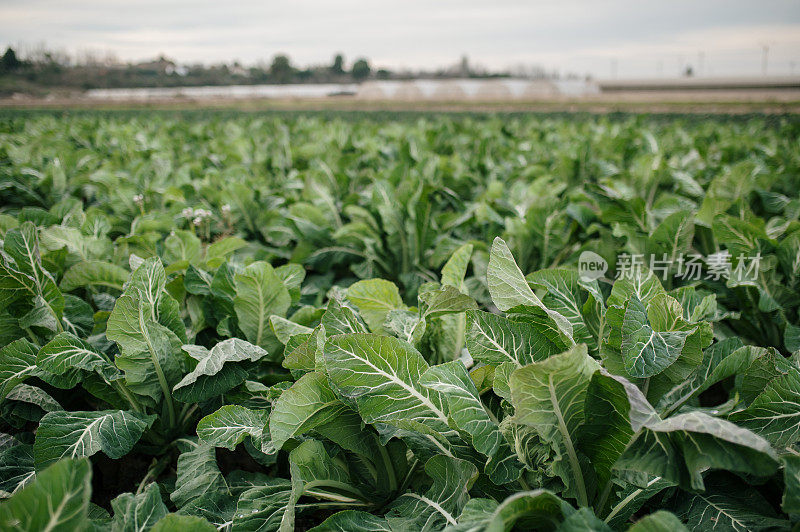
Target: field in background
<point>695,95</point>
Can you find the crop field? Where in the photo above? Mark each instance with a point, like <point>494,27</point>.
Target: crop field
<point>399,322</point>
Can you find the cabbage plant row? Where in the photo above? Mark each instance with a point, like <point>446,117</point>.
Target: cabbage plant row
<point>253,323</point>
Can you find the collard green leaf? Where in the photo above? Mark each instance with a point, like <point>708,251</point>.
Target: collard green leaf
<point>381,375</point>
<point>76,434</point>
<point>353,521</point>
<point>57,500</point>
<point>260,293</point>
<point>138,512</point>
<point>17,363</point>
<point>507,284</point>
<point>94,273</point>
<point>444,500</point>
<point>526,510</point>
<point>308,403</point>
<point>775,412</point>
<point>231,424</point>
<point>510,290</point>
<point>284,329</point>
<point>375,298</point>
<point>722,360</point>
<point>66,352</point>
<point>791,479</point>
<point>660,521</point>
<point>146,325</point>
<point>493,339</point>
<point>455,268</point>
<point>17,467</point>
<point>198,475</point>
<point>565,295</point>
<point>464,404</point>
<point>727,505</point>
<point>549,396</point>
<point>218,370</point>
<point>262,508</point>
<point>682,447</point>
<point>339,319</point>
<point>471,417</point>
<point>182,523</point>
<point>645,351</point>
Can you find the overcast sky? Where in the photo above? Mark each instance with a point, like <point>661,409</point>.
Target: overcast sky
<point>643,38</point>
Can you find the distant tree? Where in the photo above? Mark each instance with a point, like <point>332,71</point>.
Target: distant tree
<point>9,61</point>
<point>383,74</point>
<point>361,69</point>
<point>337,68</point>
<point>281,69</point>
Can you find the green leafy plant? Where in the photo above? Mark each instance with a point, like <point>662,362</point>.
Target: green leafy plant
<point>383,325</point>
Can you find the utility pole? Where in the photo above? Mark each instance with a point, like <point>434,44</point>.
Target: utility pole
<point>701,63</point>
<point>764,56</point>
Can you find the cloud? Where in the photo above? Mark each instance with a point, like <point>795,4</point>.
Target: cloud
<point>577,35</point>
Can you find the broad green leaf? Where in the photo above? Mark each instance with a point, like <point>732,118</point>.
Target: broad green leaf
<point>353,521</point>
<point>218,370</point>
<point>308,403</point>
<point>524,510</point>
<point>629,499</point>
<point>673,237</point>
<point>183,523</point>
<point>493,339</point>
<point>94,273</point>
<point>150,352</point>
<point>341,320</point>
<point>642,284</point>
<point>444,500</point>
<point>380,374</point>
<point>407,325</point>
<point>455,268</point>
<point>510,290</point>
<point>374,299</point>
<point>17,363</point>
<point>292,276</point>
<point>660,521</point>
<point>470,416</point>
<point>260,293</point>
<point>76,434</point>
<point>445,300</point>
<point>775,412</point>
<point>138,512</point>
<point>262,508</point>
<point>231,424</point>
<point>614,410</point>
<point>464,404</point>
<point>284,329</point>
<point>66,352</point>
<point>549,396</point>
<point>728,505</point>
<point>313,470</point>
<point>182,247</point>
<point>507,284</point>
<point>58,500</point>
<point>683,447</point>
<point>791,480</point>
<point>217,252</point>
<point>565,296</point>
<point>722,360</point>
<point>645,351</point>
<point>198,475</point>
